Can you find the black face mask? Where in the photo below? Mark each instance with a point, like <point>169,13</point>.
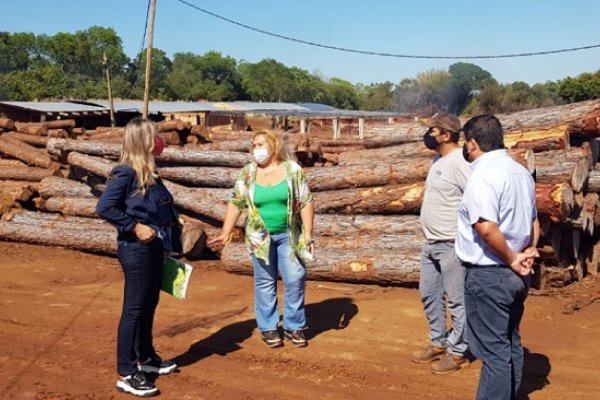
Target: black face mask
<point>465,152</point>
<point>430,142</point>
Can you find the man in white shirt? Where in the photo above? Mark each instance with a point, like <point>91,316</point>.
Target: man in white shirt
<point>497,234</point>
<point>442,275</point>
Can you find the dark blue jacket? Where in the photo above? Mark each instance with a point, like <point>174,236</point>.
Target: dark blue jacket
<point>123,206</point>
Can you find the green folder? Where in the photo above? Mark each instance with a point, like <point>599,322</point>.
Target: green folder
<point>176,276</point>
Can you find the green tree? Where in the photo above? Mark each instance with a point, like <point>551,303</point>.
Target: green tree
<point>376,96</point>
<point>45,82</point>
<point>267,80</point>
<point>209,77</point>
<point>159,76</point>
<point>465,79</point>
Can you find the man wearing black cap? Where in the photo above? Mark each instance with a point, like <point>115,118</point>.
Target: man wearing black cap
<point>442,275</point>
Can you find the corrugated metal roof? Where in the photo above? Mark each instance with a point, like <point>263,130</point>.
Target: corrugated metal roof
<point>317,106</point>
<point>158,107</point>
<point>53,106</point>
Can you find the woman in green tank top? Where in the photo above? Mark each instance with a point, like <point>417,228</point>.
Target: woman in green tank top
<point>278,232</point>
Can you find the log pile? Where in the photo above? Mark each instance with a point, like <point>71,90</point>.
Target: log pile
<point>368,192</point>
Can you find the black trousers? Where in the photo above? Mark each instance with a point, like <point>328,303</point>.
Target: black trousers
<point>142,265</point>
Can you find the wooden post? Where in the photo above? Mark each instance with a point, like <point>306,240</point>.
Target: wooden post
<point>390,120</point>
<point>110,98</point>
<point>361,128</point>
<point>149,56</point>
<point>302,125</point>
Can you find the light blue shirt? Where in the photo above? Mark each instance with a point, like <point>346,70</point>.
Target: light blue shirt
<point>502,191</point>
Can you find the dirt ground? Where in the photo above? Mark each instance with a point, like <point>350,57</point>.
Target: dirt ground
<point>59,311</point>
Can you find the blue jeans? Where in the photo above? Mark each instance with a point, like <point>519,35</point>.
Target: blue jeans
<point>495,302</point>
<point>142,265</point>
<point>293,275</point>
<point>443,274</point>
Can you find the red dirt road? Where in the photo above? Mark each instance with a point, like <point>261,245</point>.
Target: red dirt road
<point>59,311</point>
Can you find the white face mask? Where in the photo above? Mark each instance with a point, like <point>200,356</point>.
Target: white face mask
<point>261,155</point>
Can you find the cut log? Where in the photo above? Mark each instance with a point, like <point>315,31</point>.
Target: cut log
<point>242,146</point>
<point>547,116</point>
<point>194,238</point>
<point>554,138</point>
<point>586,126</point>
<point>26,173</point>
<point>108,134</point>
<point>54,186</point>
<point>365,175</point>
<point>342,265</point>
<point>37,141</point>
<point>340,149</point>
<point>61,124</point>
<point>58,133</point>
<point>96,165</point>
<point>28,154</point>
<point>32,128</point>
<point>209,202</point>
<point>170,138</point>
<point>392,199</point>
<point>173,125</point>
<point>391,154</point>
<point>170,154</point>
<point>349,225</point>
<point>218,177</point>
<point>76,206</point>
<point>555,200</point>
<point>553,171</point>
<point>11,163</point>
<point>7,123</point>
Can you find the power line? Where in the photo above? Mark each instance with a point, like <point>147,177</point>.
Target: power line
<point>137,68</point>
<point>383,54</point>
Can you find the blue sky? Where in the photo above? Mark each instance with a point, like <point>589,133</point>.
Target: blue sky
<point>434,27</point>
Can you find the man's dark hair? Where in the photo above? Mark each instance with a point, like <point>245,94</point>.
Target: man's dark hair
<point>486,130</point>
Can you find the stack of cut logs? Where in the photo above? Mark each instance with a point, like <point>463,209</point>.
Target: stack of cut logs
<point>367,193</point>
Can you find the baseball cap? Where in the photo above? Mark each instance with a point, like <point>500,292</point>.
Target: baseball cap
<point>445,121</point>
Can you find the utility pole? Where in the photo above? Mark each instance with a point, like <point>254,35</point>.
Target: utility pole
<point>110,98</point>
<point>149,56</point>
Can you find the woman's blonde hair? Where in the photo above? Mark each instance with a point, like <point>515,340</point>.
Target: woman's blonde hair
<point>275,142</point>
<point>138,144</point>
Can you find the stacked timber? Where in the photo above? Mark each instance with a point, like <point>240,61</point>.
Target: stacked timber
<point>368,192</point>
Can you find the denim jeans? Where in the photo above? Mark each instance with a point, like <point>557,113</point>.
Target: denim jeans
<point>293,275</point>
<point>443,276</point>
<point>495,302</point>
<point>142,265</point>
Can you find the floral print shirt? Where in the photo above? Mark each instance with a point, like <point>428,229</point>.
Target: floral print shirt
<point>257,235</point>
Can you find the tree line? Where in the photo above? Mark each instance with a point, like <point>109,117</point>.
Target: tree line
<point>70,66</point>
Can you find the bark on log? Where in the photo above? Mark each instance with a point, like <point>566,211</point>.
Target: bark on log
<point>593,182</point>
<point>170,138</point>
<point>575,173</point>
<point>95,165</point>
<point>173,125</point>
<point>349,225</point>
<point>76,206</point>
<point>392,199</point>
<point>555,200</point>
<point>61,124</point>
<point>547,116</point>
<point>209,202</point>
<point>340,149</point>
<point>79,237</point>
<point>587,126</point>
<point>54,186</point>
<point>28,154</point>
<point>170,154</point>
<point>539,140</point>
<point>194,237</point>
<point>242,146</point>
<point>7,123</point>
<point>352,176</point>
<point>217,177</point>
<point>22,190</point>
<point>58,133</point>
<point>396,268</point>
<point>12,163</point>
<point>37,141</point>
<point>32,128</point>
<point>110,134</point>
<point>26,173</point>
<point>392,154</point>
